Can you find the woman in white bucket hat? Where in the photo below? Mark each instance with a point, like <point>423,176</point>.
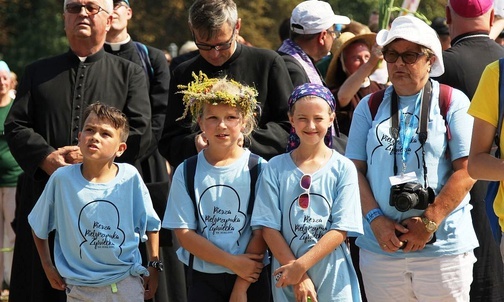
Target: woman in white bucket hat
<point>418,236</point>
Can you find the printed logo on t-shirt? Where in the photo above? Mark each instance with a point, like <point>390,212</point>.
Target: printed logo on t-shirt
<point>220,211</point>
<point>311,224</point>
<point>99,227</point>
<point>384,136</point>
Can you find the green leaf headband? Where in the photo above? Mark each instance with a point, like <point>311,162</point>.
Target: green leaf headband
<point>213,91</point>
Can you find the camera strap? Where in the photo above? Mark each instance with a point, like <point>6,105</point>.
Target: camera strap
<point>422,134</point>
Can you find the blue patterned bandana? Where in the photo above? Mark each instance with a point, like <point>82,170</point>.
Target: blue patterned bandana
<point>311,89</point>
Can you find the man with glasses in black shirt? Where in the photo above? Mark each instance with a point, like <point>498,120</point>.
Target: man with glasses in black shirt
<point>44,122</point>
<point>215,26</point>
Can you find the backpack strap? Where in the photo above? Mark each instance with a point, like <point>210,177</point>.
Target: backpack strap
<point>254,170</point>
<point>189,173</point>
<point>143,52</point>
<point>374,102</point>
<point>501,107</point>
<point>445,94</point>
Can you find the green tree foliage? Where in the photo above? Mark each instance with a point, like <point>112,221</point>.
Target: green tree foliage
<point>30,30</point>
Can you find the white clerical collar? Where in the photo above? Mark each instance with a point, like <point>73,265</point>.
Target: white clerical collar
<point>117,45</point>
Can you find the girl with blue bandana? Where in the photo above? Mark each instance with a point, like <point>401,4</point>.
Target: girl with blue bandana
<point>307,203</point>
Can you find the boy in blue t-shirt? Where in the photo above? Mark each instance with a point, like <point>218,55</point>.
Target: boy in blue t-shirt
<point>99,210</point>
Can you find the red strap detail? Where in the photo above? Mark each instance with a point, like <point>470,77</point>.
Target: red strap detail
<point>374,102</point>
<point>445,93</point>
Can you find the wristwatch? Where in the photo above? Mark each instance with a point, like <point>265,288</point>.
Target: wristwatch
<point>430,225</point>
<point>158,265</point>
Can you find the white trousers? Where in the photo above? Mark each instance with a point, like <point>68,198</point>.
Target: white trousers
<point>440,279</point>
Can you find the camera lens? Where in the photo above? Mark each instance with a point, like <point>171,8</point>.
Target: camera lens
<point>406,201</point>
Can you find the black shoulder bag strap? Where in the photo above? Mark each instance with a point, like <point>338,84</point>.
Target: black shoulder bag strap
<point>501,107</point>
<point>189,172</point>
<point>254,169</point>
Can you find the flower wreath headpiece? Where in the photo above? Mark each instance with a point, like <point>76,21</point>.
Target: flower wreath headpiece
<point>204,90</point>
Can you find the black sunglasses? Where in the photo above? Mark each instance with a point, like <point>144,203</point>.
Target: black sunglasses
<point>91,8</point>
<point>221,46</point>
<point>408,57</point>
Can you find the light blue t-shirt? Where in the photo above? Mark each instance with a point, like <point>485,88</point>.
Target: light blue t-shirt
<point>222,197</point>
<point>371,141</point>
<point>334,205</point>
<point>98,225</point>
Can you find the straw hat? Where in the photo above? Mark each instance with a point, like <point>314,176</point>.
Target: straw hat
<point>339,45</point>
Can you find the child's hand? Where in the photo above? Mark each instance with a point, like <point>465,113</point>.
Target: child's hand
<point>248,266</point>
<point>305,289</point>
<point>54,278</point>
<point>289,274</point>
<point>150,283</point>
<point>238,295</point>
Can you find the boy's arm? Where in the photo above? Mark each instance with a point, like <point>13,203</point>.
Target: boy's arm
<point>47,264</point>
<point>257,246</point>
<point>246,265</point>
<point>151,281</point>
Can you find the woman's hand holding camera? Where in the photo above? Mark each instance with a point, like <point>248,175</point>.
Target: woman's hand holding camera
<point>417,236</point>
<point>384,230</point>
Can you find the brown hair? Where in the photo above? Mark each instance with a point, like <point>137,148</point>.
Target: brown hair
<point>111,115</point>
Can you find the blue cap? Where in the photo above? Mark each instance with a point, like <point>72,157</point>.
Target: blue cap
<point>4,66</point>
<point>126,1</point>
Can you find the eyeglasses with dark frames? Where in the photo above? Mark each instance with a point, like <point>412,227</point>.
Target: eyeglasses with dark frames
<point>408,57</point>
<point>304,198</point>
<point>220,46</point>
<point>334,33</point>
<point>91,8</point>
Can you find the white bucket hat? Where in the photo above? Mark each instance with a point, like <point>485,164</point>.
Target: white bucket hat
<point>412,29</point>
<point>311,17</point>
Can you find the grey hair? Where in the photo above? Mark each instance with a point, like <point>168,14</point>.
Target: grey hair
<point>109,5</point>
<point>208,16</point>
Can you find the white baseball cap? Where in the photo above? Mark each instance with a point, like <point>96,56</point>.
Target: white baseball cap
<point>313,16</point>
<point>414,30</point>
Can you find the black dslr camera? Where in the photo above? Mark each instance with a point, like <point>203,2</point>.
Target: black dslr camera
<point>410,195</point>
